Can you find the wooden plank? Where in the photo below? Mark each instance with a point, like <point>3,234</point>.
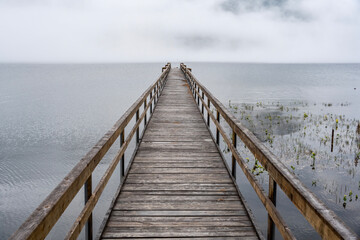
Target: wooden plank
<point>164,222</point>
<point>214,157</point>
<point>186,205</point>
<point>178,164</point>
<point>213,187</point>
<point>175,154</point>
<point>179,232</point>
<point>140,197</point>
<point>192,170</point>
<point>200,238</point>
<point>183,213</point>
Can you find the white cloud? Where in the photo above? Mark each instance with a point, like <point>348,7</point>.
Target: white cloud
<point>167,30</point>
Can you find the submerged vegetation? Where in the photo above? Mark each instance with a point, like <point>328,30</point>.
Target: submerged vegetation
<point>300,134</point>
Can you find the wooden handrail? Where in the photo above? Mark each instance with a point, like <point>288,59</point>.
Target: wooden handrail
<point>84,215</point>
<point>323,220</point>
<point>41,221</point>
<point>280,223</point>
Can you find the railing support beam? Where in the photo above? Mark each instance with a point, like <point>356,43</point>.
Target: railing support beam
<point>272,197</point>
<point>137,130</point>
<point>150,103</point>
<point>208,115</point>
<point>202,105</point>
<point>233,162</point>
<point>87,195</point>
<point>217,129</point>
<point>122,161</point>
<point>145,119</point>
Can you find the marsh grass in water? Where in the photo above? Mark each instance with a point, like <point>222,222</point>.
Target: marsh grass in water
<point>299,133</point>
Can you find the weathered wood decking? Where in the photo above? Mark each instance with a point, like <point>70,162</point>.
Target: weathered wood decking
<point>178,185</point>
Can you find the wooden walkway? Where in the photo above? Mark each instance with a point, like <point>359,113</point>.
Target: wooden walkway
<point>178,185</point>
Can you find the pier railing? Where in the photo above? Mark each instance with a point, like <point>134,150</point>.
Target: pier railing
<point>323,220</point>
<point>42,220</point>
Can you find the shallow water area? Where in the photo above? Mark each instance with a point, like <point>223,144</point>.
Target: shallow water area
<point>292,109</point>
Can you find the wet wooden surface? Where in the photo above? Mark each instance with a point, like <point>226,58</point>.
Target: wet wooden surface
<point>178,185</point>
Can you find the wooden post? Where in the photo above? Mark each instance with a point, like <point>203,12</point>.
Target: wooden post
<point>145,119</point>
<point>217,129</point>
<point>272,197</point>
<point>157,89</point>
<point>208,115</point>
<point>122,161</point>
<point>198,96</point>
<point>332,140</point>
<point>150,103</point>
<point>155,96</point>
<point>202,104</point>
<point>137,130</point>
<point>233,165</point>
<point>87,195</point>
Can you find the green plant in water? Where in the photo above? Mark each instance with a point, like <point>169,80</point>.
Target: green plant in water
<point>344,198</point>
<point>305,116</point>
<point>257,168</point>
<point>292,167</point>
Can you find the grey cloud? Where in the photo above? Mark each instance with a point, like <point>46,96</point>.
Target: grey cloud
<point>237,6</point>
<point>283,7</point>
<point>197,41</point>
<point>226,43</point>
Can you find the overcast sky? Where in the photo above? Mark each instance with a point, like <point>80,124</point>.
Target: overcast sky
<point>187,30</point>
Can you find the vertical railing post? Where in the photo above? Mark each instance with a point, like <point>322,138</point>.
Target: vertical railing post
<point>198,95</point>
<point>137,130</point>
<point>87,195</point>
<point>150,103</point>
<point>208,115</point>
<point>217,129</point>
<point>157,90</point>
<point>155,96</point>
<point>145,119</point>
<point>122,161</point>
<point>202,103</point>
<point>272,197</point>
<point>233,165</point>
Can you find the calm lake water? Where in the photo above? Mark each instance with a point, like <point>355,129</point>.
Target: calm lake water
<point>51,115</point>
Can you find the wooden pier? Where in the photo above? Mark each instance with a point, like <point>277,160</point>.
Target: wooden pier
<point>177,184</point>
